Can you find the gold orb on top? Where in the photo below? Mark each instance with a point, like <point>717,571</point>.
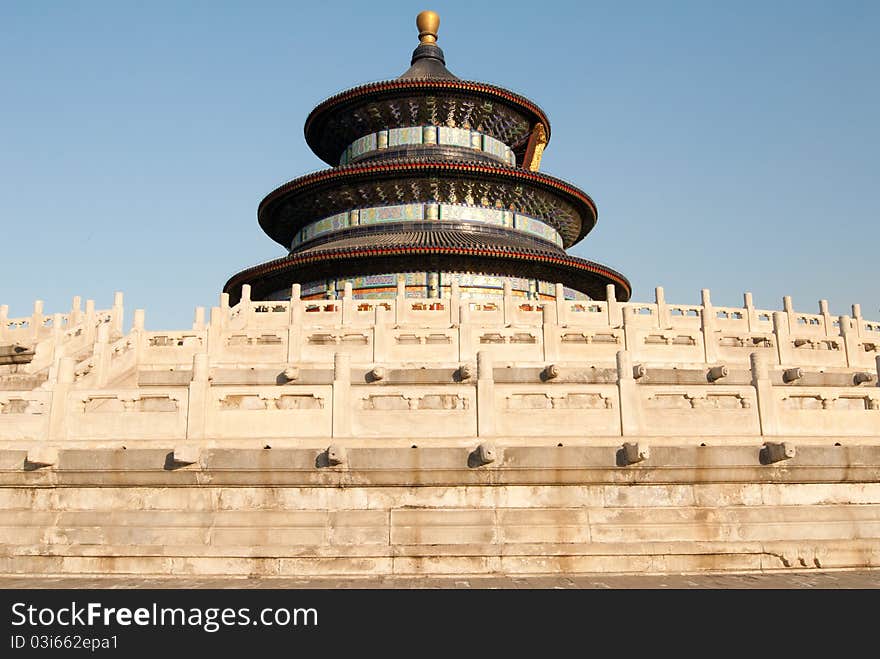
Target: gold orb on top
<point>428,23</point>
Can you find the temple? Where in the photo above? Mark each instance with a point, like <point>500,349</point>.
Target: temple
<point>428,385</point>
<point>433,179</point>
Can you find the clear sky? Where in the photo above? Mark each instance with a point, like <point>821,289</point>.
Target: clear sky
<point>733,146</point>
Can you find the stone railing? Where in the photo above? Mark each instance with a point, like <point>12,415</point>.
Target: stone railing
<point>61,334</point>
<point>485,399</point>
<point>452,367</point>
<point>380,330</point>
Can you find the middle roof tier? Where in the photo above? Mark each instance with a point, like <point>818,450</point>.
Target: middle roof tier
<point>299,203</point>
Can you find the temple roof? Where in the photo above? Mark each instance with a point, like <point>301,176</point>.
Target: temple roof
<point>428,62</point>
<point>427,59</point>
<point>426,94</point>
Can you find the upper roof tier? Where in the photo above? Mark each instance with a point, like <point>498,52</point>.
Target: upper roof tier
<point>425,95</point>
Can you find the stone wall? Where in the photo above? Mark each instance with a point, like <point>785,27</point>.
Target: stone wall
<point>428,436</point>
<point>531,510</point>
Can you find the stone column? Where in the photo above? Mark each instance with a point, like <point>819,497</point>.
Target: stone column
<point>551,333</point>
<point>400,301</point>
<point>37,320</point>
<point>850,340</point>
<point>224,310</point>
<point>347,304</point>
<point>561,308</point>
<point>454,302</point>
<point>381,335</point>
<point>509,313</point>
<point>295,304</point>
<point>708,325</point>
<point>857,317</point>
<point>90,330</point>
<point>663,320</point>
<point>101,355</point>
<point>751,314</point>
<point>788,308</point>
<point>294,325</point>
<point>342,411</point>
<point>766,401</point>
<point>614,316</point>
<point>199,398</point>
<point>783,337</point>
<point>58,405</point>
<point>485,395</point>
<point>117,314</point>
<point>826,318</point>
<point>140,338</point>
<point>630,337</point>
<point>75,317</point>
<point>245,304</point>
<point>465,332</point>
<point>630,405</point>
<point>57,345</point>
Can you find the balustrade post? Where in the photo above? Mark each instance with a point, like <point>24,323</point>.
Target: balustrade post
<point>781,329</point>
<point>827,321</point>
<point>766,401</point>
<point>37,320</point>
<point>551,333</point>
<point>90,322</point>
<point>850,340</point>
<point>485,395</point>
<point>663,320</point>
<point>117,315</point>
<point>507,303</point>
<point>630,405</point>
<point>708,325</point>
<point>400,301</point>
<point>342,411</point>
<point>751,314</point>
<point>454,301</point>
<point>348,302</point>
<point>198,398</point>
<point>561,310</point>
<point>614,314</point>
<point>75,317</point>
<point>58,406</point>
<point>857,318</point>
<point>788,308</point>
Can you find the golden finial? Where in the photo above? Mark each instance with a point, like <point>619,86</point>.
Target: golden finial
<point>428,23</point>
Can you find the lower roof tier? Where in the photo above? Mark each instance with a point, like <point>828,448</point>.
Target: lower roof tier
<point>428,250</point>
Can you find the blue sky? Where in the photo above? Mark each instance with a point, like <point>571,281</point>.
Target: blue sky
<point>732,146</point>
